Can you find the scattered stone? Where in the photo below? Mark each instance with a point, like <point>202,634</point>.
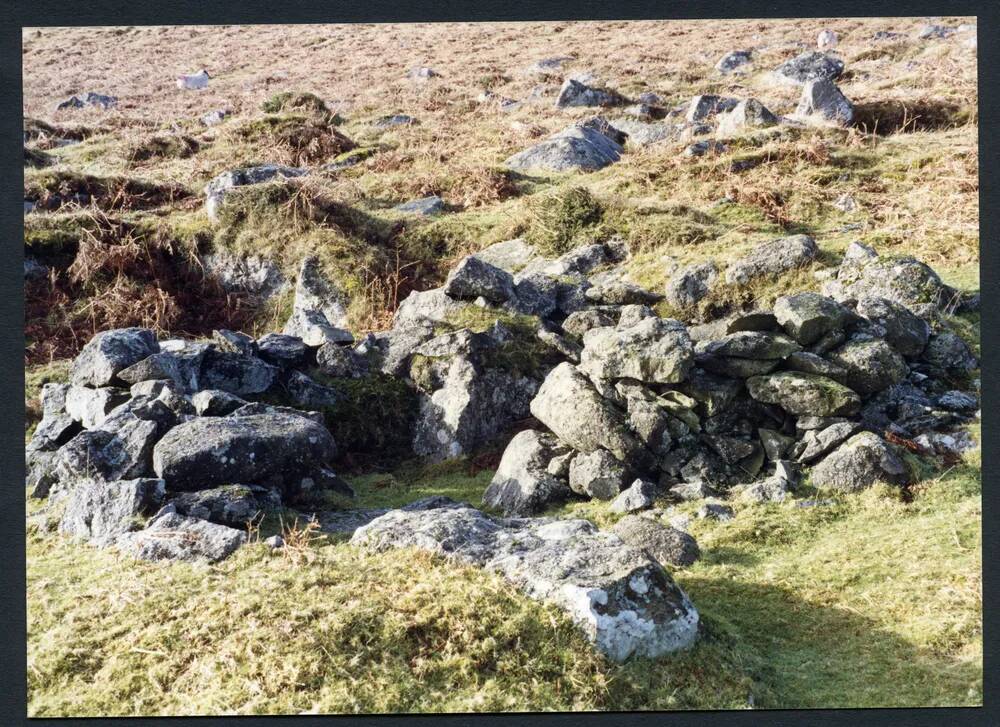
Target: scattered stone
<point>732,61</point>
<point>747,114</point>
<point>90,99</point>
<point>387,122</point>
<point>809,66</point>
<point>577,147</point>
<point>714,511</point>
<point>822,100</point>
<point>425,206</point>
<point>574,93</point>
<point>707,106</point>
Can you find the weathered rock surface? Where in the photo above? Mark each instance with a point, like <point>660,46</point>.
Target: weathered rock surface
<point>574,93</point>
<point>669,546</point>
<point>619,596</point>
<point>810,66</point>
<point>473,277</point>
<point>655,350</point>
<point>804,394</point>
<point>824,102</point>
<point>109,352</point>
<point>174,537</point>
<point>858,463</point>
<point>100,511</point>
<point>772,259</point>
<point>263,449</point>
<point>523,485</point>
<point>597,474</point>
<point>578,147</point>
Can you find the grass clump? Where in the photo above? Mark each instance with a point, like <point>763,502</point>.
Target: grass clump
<point>301,102</point>
<point>564,219</point>
<point>290,139</point>
<point>162,146</point>
<point>52,189</point>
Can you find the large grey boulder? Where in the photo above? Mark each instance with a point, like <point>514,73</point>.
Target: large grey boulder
<point>872,365</point>
<point>171,536</point>
<point>905,280</point>
<point>669,546</point>
<point>772,259</point>
<point>523,485</point>
<point>575,94</point>
<point>858,463</point>
<point>578,415</point>
<point>471,407</point>
<point>824,102</point>
<point>799,393</point>
<point>904,331</point>
<point>473,278</point>
<point>807,316</point>
<point>691,284</point>
<point>654,350</point>
<point>596,474</point>
<point>107,353</point>
<point>100,511</point>
<point>264,449</point>
<point>809,66</point>
<point>645,133</point>
<point>576,148</point>
<point>622,599</point>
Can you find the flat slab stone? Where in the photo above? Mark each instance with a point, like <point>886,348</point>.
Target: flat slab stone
<point>622,599</point>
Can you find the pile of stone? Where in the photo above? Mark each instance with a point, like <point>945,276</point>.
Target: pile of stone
<point>739,407</point>
<point>182,429</point>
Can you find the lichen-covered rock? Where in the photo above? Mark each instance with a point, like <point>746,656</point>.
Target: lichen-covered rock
<point>523,485</point>
<point>571,408</point>
<point>315,291</point>
<point>819,442</point>
<point>575,148</point>
<point>232,505</point>
<point>425,305</point>
<point>654,350</point>
<point>747,114</point>
<point>669,546</point>
<point>772,259</point>
<point>622,599</point>
<point>706,106</point>
<point>264,449</point>
<point>473,278</point>
<point>257,277</point>
<point>823,101</point>
<point>858,463</point>
<point>799,393</point>
<point>872,365</point>
<point>92,406</point>
<point>637,496</point>
<point>904,331</point>
<point>510,255</point>
<point>689,285</point>
<point>753,345</point>
<point>810,66</point>
<point>471,407</point>
<point>597,474</point>
<point>171,536</point>
<point>341,362</point>
<point>216,403</point>
<point>947,352</point>
<point>905,280</point>
<point>620,292</point>
<point>810,363</point>
<point>732,61</point>
<point>218,186</point>
<point>99,511</point>
<point>579,322</point>
<point>281,350</point>
<point>314,329</point>
<point>574,94</point>
<point>235,373</point>
<point>101,455</point>
<point>107,353</point>
<point>807,316</point>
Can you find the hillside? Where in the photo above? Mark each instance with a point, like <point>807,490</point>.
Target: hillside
<point>822,594</point>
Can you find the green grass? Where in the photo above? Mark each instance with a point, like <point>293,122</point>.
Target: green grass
<point>835,606</point>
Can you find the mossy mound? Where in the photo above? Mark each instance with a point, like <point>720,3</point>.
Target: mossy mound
<point>291,138</point>
<point>561,220</point>
<point>52,189</point>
